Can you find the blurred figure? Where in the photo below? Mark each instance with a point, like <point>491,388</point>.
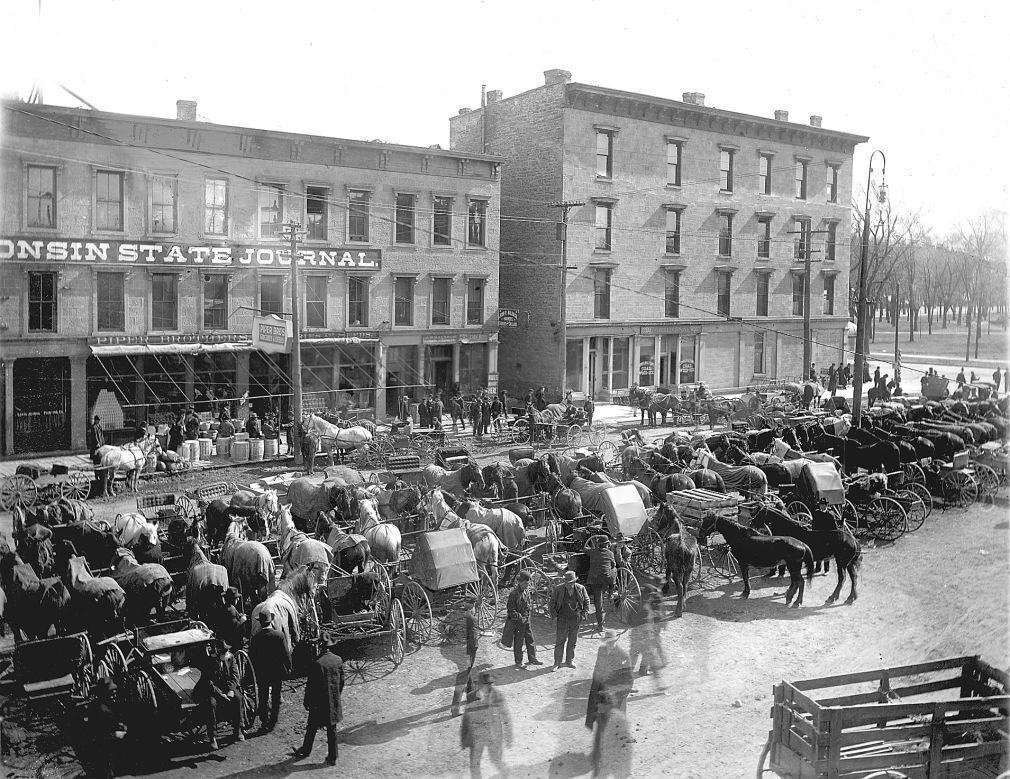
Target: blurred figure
<point>464,680</point>
<point>487,724</point>
<point>323,688</point>
<point>105,730</point>
<point>612,741</point>
<point>612,674</point>
<point>645,637</point>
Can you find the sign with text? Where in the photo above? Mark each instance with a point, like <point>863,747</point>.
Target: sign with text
<point>271,333</point>
<point>168,338</point>
<point>98,252</point>
<point>508,317</point>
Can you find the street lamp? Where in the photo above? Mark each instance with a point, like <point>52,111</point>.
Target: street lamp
<point>857,384</point>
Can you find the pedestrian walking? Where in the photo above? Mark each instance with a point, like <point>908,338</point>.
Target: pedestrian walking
<point>646,646</point>
<point>464,681</point>
<point>96,438</point>
<point>569,606</point>
<point>602,576</point>
<point>995,380</point>
<point>612,740</point>
<point>456,413</point>
<point>832,380</point>
<point>518,611</point>
<point>218,686</point>
<point>323,688</point>
<point>590,408</point>
<point>271,663</point>
<point>487,724</point>
<point>612,674</point>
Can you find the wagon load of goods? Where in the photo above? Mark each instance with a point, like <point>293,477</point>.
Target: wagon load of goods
<point>820,481</point>
<point>443,559</point>
<point>693,505</point>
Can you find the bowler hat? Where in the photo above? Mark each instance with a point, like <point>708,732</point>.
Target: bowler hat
<point>328,641</point>
<point>570,577</point>
<point>265,617</point>
<point>486,677</point>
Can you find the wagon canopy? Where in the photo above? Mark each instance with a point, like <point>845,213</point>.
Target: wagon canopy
<point>821,480</point>
<point>624,510</point>
<point>443,559</point>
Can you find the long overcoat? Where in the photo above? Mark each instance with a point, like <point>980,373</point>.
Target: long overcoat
<point>323,687</point>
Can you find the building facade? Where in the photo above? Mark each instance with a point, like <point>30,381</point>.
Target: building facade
<point>688,231</point>
<point>137,251</point>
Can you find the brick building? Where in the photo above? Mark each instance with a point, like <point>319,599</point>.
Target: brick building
<point>137,251</point>
<point>685,262</point>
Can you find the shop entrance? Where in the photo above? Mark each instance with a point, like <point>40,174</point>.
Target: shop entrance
<point>439,360</point>
<point>41,404</point>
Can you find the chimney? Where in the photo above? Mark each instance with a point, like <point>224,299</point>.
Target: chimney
<point>494,96</point>
<point>694,98</point>
<point>782,116</point>
<point>185,110</point>
<point>556,76</point>
<point>815,120</point>
<point>464,111</point>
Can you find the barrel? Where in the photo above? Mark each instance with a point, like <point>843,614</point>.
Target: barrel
<point>205,444</point>
<point>191,450</point>
<point>240,450</point>
<point>255,448</point>
<point>241,436</point>
<point>224,446</point>
<point>269,447</point>
<point>152,463</point>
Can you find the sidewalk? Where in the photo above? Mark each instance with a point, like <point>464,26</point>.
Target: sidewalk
<point>931,361</point>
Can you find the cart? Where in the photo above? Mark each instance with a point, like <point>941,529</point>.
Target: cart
<point>59,669</point>
<point>896,722</point>
<point>878,513</point>
<point>23,489</point>
<point>935,388</point>
<point>714,556</point>
<point>953,482</point>
<point>161,509</point>
<point>991,464</point>
<point>422,443</point>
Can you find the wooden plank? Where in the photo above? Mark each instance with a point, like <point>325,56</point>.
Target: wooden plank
<point>899,733</point>
<point>807,704</point>
<point>796,743</point>
<point>969,752</point>
<point>872,676</point>
<point>901,692</point>
<point>834,745</point>
<point>861,715</point>
<point>894,760</point>
<point>1002,677</point>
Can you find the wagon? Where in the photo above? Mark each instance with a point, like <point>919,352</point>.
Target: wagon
<point>991,464</point>
<point>421,443</point>
<point>167,506</point>
<point>953,482</point>
<point>23,489</point>
<point>715,557</point>
<point>59,669</point>
<point>935,388</point>
<point>946,718</point>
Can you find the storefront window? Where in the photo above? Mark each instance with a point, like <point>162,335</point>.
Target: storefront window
<point>357,377</point>
<point>622,354</point>
<point>472,367</point>
<point>688,369</point>
<point>647,362</point>
<point>573,365</point>
<point>401,375</point>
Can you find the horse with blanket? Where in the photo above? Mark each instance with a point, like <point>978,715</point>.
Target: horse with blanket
<point>34,606</point>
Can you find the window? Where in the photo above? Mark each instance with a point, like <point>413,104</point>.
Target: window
<point>271,295</point>
<point>404,231</point>
<point>801,179</point>
<point>765,174</point>
<point>672,231</point>
<point>801,243</point>
<point>722,303</point>
<point>440,296</point>
<point>41,302</point>
<point>357,215</point>
<point>315,212</point>
<point>764,237</point>
<point>798,279</point>
<point>763,283</point>
<point>476,223</point>
<point>163,196</point>
<point>829,242</point>
<point>108,200</point>
<point>475,301</point>
<point>604,154</point>
<point>604,222</point>
<point>726,170</point>
<point>215,302</point>
<point>672,296</point>
<point>164,301</point>
<point>315,301</point>
<point>759,353</point>
<point>442,221</point>
<point>403,300</point>
<point>832,186</point>
<point>41,196</point>
<point>357,301</point>
<point>674,152</point>
<point>725,235</point>
<point>111,302</point>
<point>829,295</point>
<point>271,209</point>
<point>601,294</point>
<point>215,207</point>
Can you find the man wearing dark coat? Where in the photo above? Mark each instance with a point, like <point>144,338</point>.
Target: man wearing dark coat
<point>96,439</point>
<point>219,686</point>
<point>612,673</point>
<point>323,688</point>
<point>192,425</point>
<point>272,663</point>
<point>437,410</point>
<point>487,724</point>
<point>252,426</point>
<point>105,729</point>
<point>177,433</point>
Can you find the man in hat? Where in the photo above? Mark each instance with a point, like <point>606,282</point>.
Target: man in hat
<point>611,673</point>
<point>646,641</point>
<point>323,688</point>
<point>612,740</point>
<point>272,663</point>
<point>472,633</point>
<point>569,606</point>
<point>106,731</point>
<point>192,424</point>
<point>96,439</point>
<point>602,576</point>
<point>219,686</point>
<point>177,433</point>
<point>487,724</point>
<point>520,607</point>
<point>252,426</point>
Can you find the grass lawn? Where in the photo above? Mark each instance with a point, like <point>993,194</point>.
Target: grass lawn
<point>942,343</point>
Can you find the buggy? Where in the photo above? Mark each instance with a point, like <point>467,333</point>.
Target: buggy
<point>28,487</point>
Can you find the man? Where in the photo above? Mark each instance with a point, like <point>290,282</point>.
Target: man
<point>105,730</point>
<point>404,408</point>
<point>876,376</point>
<point>612,741</point>
<point>225,428</point>
<point>497,407</point>
<point>272,663</point>
<point>323,688</point>
<point>475,417</point>
<point>569,606</point>
<point>645,637</point>
<point>424,411</point>
<point>866,372</point>
<point>602,575</point>
<point>96,438</point>
<point>519,609</point>
<point>922,383</point>
<point>485,411</point>
<point>471,632</point>
<point>813,372</point>
<point>960,378</point>
<point>612,674</point>
<point>437,410</point>
<point>229,622</point>
<point>541,399</point>
<point>995,380</point>
<point>192,424</point>
<point>590,408</point>
<point>177,433</point>
<point>487,724</point>
<point>219,686</point>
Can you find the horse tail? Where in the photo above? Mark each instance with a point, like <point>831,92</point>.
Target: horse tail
<point>808,560</point>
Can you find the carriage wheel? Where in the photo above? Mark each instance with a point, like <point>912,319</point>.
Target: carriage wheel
<point>913,473</point>
<point>373,478</point>
<point>850,517</point>
<point>248,688</point>
<point>598,433</point>
<point>987,480</point>
<point>915,509</point>
<point>958,489</point>
<point>18,490</point>
<point>627,595</point>
<point>521,431</point>
<point>487,606</point>
<point>886,519</point>
<point>923,494</point>
<point>798,510</point>
<point>575,435</point>
<point>187,507</point>
<point>721,562</point>
<point>424,447</point>
<point>384,449</point>
<point>397,632</point>
<point>112,665</point>
<point>552,535</point>
<point>76,486</point>
<point>608,453</point>
<point>136,690</point>
<point>542,590</point>
<point>417,610</point>
<point>383,592</point>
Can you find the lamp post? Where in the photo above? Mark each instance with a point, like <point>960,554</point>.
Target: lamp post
<point>857,383</point>
<point>292,231</point>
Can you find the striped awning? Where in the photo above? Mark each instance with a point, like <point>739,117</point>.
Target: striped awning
<point>121,350</point>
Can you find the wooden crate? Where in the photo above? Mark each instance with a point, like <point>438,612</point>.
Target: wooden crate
<point>693,505</point>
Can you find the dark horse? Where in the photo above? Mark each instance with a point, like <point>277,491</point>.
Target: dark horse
<point>750,548</point>
<point>350,552</point>
<point>680,549</point>
<point>837,543</point>
<point>219,516</point>
<point>653,404</point>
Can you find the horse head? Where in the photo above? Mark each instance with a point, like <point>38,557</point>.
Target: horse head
<point>709,525</point>
<point>472,474</point>
<point>667,519</point>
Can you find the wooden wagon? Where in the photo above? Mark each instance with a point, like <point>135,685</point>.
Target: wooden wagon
<point>26,489</point>
<point>936,720</point>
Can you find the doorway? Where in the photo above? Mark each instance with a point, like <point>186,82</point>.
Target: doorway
<point>439,362</point>
<point>41,404</point>
<point>594,385</point>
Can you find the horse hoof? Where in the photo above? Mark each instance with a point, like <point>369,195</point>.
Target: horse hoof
<point>829,601</point>
<point>849,601</point>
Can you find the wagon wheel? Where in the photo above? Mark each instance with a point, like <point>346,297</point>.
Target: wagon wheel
<point>598,433</point>
<point>136,691</point>
<point>521,431</point>
<point>607,452</point>
<point>721,562</point>
<point>76,486</point>
<point>425,448</point>
<point>798,510</point>
<point>187,507</point>
<point>18,490</point>
<point>886,519</point>
<point>417,611</point>
<point>958,489</point>
<point>914,473</point>
<point>248,687</point>
<point>397,632</point>
<point>552,535</point>
<point>486,594</point>
<point>575,435</point>
<point>383,591</point>
<point>850,517</point>
<point>541,589</point>
<point>987,480</point>
<point>648,556</point>
<point>923,494</point>
<point>384,449</point>
<point>112,665</point>
<point>627,595</point>
<point>915,509</point>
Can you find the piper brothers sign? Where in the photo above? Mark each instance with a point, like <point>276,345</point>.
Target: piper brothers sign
<point>150,253</point>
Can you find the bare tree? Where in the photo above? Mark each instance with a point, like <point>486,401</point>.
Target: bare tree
<point>983,242</point>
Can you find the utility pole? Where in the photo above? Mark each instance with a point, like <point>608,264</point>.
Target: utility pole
<point>293,231</point>
<point>565,207</point>
<point>806,241</point>
<point>897,319</point>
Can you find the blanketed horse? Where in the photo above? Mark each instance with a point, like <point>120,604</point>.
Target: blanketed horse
<point>148,588</point>
<point>97,600</point>
<point>309,498</point>
<point>206,582</point>
<point>297,549</point>
<point>383,537</point>
<point>350,550</point>
<point>132,531</point>
<point>34,605</point>
<point>680,550</point>
<point>457,482</point>
<point>507,525</point>
<point>250,566</point>
<point>285,605</point>
<point>745,479</point>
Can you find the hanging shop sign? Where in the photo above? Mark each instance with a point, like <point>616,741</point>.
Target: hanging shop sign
<point>148,253</point>
<point>169,338</point>
<point>271,333</point>
<point>508,317</point>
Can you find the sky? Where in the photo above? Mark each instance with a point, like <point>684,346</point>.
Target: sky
<point>929,82</point>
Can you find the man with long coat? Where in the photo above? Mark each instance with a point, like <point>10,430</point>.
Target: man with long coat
<point>272,663</point>
<point>323,688</point>
<point>612,673</point>
<point>192,425</point>
<point>218,686</point>
<point>569,606</point>
<point>487,724</point>
<point>96,438</point>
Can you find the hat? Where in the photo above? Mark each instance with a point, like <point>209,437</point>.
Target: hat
<point>328,641</point>
<point>265,617</point>
<point>97,418</point>
<point>570,577</point>
<point>486,677</point>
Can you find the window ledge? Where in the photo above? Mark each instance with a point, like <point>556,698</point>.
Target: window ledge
<point>604,179</point>
<point>440,248</point>
<point>672,255</point>
<point>726,192</point>
<point>603,252</point>
<point>404,247</point>
<point>673,186</point>
<point>476,248</point>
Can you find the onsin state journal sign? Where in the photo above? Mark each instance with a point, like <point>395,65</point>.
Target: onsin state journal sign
<point>141,253</point>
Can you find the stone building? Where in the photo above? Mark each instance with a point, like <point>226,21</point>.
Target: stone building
<point>136,252</point>
<point>685,257</point>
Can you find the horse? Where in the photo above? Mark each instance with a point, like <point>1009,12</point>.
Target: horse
<point>383,537</point>
<point>35,547</point>
<point>134,532</point>
<point>350,551</point>
<point>34,605</point>
<point>250,566</point>
<point>750,548</point>
<point>531,476</point>
<point>881,456</point>
<point>567,502</point>
<point>506,525</point>
<point>486,545</point>
<point>653,403</point>
<point>267,502</point>
<point>148,587</point>
<point>293,597</point>
<point>206,582</point>
<point>680,550</point>
<point>395,502</point>
<point>838,543</point>
<point>130,458</point>
<point>97,601</point>
<point>745,479</point>
<point>220,515</point>
<point>296,549</point>
<point>494,477</point>
<point>308,498</point>
<point>457,482</point>
<point>93,539</point>
<point>342,438</point>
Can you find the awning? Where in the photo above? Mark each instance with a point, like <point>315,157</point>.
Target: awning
<point>338,340</point>
<point>120,350</point>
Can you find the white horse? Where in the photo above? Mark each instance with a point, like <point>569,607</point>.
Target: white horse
<point>332,437</point>
<point>486,545</point>
<point>507,525</point>
<point>129,529</point>
<point>383,537</point>
<point>297,549</point>
<point>267,503</point>
<point>130,458</point>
